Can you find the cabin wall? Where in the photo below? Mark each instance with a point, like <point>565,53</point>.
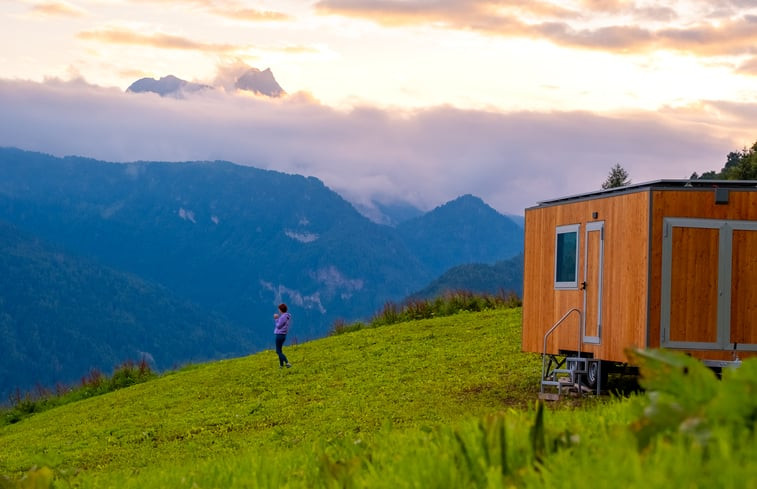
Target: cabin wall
<point>695,263</point>
<point>625,275</point>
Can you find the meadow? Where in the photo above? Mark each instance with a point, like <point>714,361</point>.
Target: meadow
<point>442,402</point>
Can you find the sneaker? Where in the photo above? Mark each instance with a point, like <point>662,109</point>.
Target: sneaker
<point>288,365</point>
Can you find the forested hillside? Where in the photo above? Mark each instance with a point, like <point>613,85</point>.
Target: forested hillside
<point>505,276</point>
<point>462,231</point>
<point>228,241</point>
<point>62,316</point>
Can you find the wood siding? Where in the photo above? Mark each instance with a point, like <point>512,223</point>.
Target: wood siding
<point>692,264</point>
<point>694,285</point>
<point>744,288</point>
<point>625,275</point>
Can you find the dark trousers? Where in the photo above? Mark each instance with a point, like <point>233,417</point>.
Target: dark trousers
<point>280,339</point>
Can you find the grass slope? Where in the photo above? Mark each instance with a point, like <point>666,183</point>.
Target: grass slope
<point>426,404</point>
<point>411,375</point>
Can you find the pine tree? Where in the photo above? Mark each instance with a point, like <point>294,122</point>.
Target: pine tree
<point>618,177</point>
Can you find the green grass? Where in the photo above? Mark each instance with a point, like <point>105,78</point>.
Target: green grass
<point>417,374</point>
<point>446,402</point>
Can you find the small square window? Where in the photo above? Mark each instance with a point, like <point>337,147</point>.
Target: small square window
<point>566,257</point>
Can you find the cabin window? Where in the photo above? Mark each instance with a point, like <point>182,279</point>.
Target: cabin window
<point>566,257</point>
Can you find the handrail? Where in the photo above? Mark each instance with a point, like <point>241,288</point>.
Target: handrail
<point>553,328</point>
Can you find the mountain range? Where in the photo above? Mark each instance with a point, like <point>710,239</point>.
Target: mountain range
<point>252,80</point>
<point>181,262</point>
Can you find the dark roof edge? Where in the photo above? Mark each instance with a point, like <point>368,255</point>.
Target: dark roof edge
<point>656,184</point>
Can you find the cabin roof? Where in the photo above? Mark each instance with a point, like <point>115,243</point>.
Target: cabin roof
<point>694,185</point>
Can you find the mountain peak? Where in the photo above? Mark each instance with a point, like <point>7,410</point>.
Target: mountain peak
<point>464,207</point>
<point>169,85</point>
<point>467,200</point>
<point>464,230</point>
<point>262,82</point>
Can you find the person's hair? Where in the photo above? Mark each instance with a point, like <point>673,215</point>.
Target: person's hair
<point>283,307</point>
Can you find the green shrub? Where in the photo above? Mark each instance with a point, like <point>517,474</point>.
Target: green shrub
<point>447,304</point>
<point>94,384</point>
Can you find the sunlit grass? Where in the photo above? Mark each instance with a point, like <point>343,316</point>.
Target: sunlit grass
<point>413,374</point>
<point>446,402</point>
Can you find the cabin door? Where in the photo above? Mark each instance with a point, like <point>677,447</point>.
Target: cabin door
<point>709,284</point>
<point>594,254</point>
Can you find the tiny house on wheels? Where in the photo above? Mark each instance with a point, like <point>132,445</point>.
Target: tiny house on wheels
<point>667,264</point>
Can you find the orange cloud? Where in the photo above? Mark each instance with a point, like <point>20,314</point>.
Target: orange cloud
<point>231,9</point>
<point>608,25</point>
<point>163,41</point>
<point>736,36</point>
<point>748,67</point>
<point>57,9</point>
<point>252,15</point>
<point>298,49</point>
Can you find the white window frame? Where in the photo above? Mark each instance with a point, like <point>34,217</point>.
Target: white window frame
<point>567,229</point>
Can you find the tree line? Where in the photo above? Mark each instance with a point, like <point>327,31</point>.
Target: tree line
<point>739,165</point>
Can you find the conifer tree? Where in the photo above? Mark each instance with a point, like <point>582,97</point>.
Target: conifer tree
<point>618,177</point>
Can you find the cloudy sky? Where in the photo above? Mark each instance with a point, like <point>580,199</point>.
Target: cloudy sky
<point>412,100</point>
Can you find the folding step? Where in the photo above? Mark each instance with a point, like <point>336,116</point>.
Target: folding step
<point>565,379</point>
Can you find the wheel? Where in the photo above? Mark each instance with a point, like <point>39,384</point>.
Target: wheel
<point>597,370</point>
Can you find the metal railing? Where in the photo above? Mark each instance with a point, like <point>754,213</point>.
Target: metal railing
<point>552,329</point>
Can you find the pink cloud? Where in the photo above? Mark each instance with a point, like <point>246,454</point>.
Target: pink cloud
<point>425,157</point>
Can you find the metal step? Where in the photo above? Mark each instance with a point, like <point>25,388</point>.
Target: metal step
<point>565,379</point>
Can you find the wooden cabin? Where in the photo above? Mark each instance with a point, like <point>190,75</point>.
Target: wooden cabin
<point>669,264</point>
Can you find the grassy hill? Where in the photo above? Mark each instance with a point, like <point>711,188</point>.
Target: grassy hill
<point>446,402</point>
<point>408,375</point>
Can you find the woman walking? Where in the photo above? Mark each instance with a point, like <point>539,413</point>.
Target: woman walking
<point>282,322</point>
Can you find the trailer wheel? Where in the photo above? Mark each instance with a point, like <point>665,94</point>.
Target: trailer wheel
<point>596,370</point>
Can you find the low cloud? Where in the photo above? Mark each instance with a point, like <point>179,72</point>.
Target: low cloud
<point>424,157</point>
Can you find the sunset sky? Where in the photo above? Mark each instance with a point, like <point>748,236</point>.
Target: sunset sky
<point>419,101</point>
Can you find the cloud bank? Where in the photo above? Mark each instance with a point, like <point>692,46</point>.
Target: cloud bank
<point>422,157</point>
<point>697,27</point>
